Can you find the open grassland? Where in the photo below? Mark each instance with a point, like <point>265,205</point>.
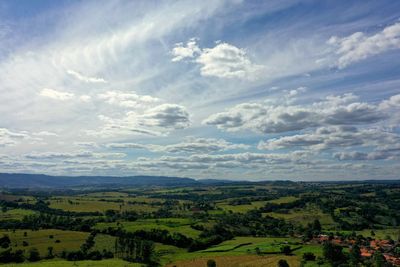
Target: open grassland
<point>69,240</point>
<point>63,263</point>
<point>58,239</point>
<point>241,208</point>
<point>283,200</point>
<point>15,214</point>
<point>173,225</point>
<point>239,261</point>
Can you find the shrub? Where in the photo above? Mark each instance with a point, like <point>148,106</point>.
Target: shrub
<point>211,263</point>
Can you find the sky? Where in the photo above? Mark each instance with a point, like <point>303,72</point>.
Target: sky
<point>241,90</point>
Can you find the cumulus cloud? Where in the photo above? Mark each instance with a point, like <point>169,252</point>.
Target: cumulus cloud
<point>127,99</point>
<point>71,155</point>
<point>359,45</point>
<point>57,95</point>
<point>156,121</point>
<point>223,61</point>
<point>189,145</point>
<point>10,138</point>
<point>180,51</point>
<point>332,137</point>
<point>165,116</point>
<point>354,155</point>
<point>264,118</point>
<point>84,78</point>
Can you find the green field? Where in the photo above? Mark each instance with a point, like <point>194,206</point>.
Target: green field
<point>95,205</point>
<point>15,214</point>
<point>62,263</point>
<point>174,225</point>
<point>305,216</point>
<point>69,240</point>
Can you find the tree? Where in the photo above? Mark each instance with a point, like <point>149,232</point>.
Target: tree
<point>333,253</point>
<point>355,254</point>
<point>50,253</point>
<point>379,259</point>
<point>34,255</point>
<point>283,263</point>
<point>286,250</point>
<point>309,256</point>
<point>5,241</point>
<point>211,263</point>
<point>317,225</point>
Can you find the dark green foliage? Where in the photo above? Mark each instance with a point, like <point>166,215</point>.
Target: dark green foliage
<point>309,256</point>
<point>34,255</point>
<point>134,249</point>
<point>333,253</point>
<point>286,250</point>
<point>211,263</point>
<point>5,241</point>
<point>283,263</point>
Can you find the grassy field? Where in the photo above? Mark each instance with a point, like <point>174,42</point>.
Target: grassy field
<point>238,261</point>
<point>174,225</point>
<point>15,214</point>
<point>69,240</point>
<point>62,263</point>
<point>93,205</point>
<point>305,216</point>
<point>254,205</point>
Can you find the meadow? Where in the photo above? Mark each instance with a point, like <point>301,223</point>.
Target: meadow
<point>232,224</point>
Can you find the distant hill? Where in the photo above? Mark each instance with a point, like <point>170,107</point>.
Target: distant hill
<point>16,180</point>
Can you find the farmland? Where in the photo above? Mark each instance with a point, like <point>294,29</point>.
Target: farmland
<point>238,224</point>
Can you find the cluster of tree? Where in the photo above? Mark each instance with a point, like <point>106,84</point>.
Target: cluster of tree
<point>255,224</point>
<point>49,221</point>
<point>134,249</point>
<point>43,207</point>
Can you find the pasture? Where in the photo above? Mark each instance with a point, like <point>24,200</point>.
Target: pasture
<point>58,239</point>
<point>173,225</point>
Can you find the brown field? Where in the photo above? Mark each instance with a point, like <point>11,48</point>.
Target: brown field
<point>238,261</point>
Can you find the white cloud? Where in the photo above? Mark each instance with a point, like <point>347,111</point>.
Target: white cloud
<point>189,145</point>
<point>156,121</point>
<point>10,138</point>
<point>359,45</point>
<point>265,118</point>
<point>181,52</point>
<point>85,79</point>
<point>85,98</point>
<point>333,137</point>
<point>128,99</point>
<point>223,61</point>
<point>57,95</point>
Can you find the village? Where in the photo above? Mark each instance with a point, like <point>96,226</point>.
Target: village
<point>388,248</point>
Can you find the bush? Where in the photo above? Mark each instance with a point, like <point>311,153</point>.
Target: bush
<point>283,263</point>
<point>211,263</point>
<point>286,250</point>
<point>34,255</point>
<point>309,256</point>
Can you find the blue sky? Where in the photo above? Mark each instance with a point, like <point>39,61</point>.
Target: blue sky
<point>245,90</point>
